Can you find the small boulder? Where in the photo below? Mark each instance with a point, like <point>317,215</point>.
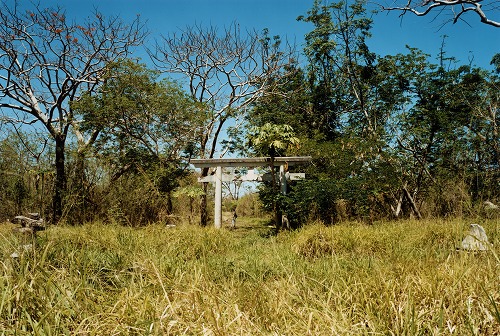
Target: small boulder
<point>27,222</point>
<point>33,215</point>
<point>476,240</point>
<point>490,206</point>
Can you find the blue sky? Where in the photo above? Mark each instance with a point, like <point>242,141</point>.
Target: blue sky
<point>390,33</point>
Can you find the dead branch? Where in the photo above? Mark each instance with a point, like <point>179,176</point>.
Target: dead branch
<point>457,7</point>
<point>226,69</point>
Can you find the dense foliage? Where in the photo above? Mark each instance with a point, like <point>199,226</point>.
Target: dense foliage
<point>392,136</point>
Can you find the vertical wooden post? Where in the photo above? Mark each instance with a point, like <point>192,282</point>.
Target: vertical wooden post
<point>218,198</point>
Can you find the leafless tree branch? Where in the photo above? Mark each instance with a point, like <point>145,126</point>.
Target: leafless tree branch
<point>457,7</point>
<point>46,62</point>
<point>226,70</point>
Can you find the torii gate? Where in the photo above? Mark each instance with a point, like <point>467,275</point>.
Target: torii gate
<point>219,177</point>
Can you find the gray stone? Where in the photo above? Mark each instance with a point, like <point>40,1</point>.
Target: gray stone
<point>35,224</point>
<point>476,240</point>
<point>23,248</point>
<point>490,206</point>
<point>34,215</point>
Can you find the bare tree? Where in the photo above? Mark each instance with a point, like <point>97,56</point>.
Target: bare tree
<point>226,70</point>
<point>457,7</point>
<point>46,62</point>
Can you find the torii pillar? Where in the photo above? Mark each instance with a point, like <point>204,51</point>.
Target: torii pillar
<point>219,164</point>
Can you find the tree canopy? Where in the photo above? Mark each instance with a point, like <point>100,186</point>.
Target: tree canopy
<point>110,136</point>
<point>48,61</point>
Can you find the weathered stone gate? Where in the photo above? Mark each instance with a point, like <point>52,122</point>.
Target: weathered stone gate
<point>219,177</point>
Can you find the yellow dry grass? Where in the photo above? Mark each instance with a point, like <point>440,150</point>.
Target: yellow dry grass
<point>394,278</point>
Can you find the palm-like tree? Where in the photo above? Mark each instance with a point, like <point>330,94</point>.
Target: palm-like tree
<point>273,140</point>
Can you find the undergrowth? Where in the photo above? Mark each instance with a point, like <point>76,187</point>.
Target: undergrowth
<point>395,278</point>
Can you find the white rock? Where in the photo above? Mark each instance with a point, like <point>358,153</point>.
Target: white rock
<point>490,206</point>
<point>476,240</point>
<point>24,248</point>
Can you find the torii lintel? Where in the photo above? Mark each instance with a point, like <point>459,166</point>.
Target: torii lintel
<point>249,162</point>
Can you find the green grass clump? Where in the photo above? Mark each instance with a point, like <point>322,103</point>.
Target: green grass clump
<point>395,278</point>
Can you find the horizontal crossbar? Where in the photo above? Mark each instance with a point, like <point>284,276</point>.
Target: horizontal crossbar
<point>249,162</point>
<point>251,177</point>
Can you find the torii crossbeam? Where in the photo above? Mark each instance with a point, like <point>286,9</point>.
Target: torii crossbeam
<point>219,164</point>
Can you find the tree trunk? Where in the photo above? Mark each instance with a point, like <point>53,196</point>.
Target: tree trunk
<point>396,211</point>
<point>60,179</point>
<point>412,203</point>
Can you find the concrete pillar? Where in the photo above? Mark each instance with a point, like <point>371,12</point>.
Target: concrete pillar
<point>218,198</point>
<point>283,179</point>
<point>282,175</point>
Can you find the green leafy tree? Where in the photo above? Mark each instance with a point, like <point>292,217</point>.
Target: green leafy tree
<point>25,173</point>
<point>225,69</point>
<point>340,62</point>
<point>273,140</point>
<point>402,130</point>
<point>447,136</point>
<point>354,97</point>
<point>146,124</point>
<point>47,61</point>
<point>288,105</point>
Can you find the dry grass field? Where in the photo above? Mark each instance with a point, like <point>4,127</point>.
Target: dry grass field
<point>391,278</point>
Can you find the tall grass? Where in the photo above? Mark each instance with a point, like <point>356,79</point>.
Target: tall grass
<point>398,278</point>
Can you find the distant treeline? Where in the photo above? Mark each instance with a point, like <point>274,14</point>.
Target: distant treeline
<point>90,133</point>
